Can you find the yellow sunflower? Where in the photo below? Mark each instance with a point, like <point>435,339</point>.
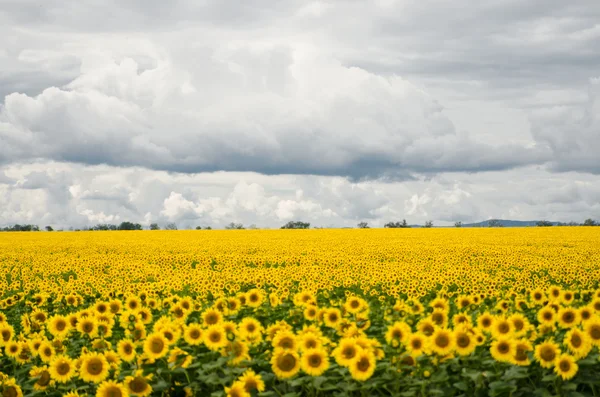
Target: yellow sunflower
<point>546,353</point>
<point>215,337</point>
<point>565,366</point>
<point>285,363</point>
<point>137,385</point>
<point>442,342</point>
<point>363,365</point>
<point>156,346</point>
<point>503,350</point>
<point>94,367</point>
<point>62,369</point>
<point>252,381</point>
<point>314,362</point>
<point>110,388</point>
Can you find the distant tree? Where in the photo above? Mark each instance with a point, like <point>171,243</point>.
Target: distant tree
<point>154,226</point>
<point>543,223</point>
<point>49,229</point>
<point>171,226</point>
<point>396,225</point>
<point>130,226</point>
<point>428,224</point>
<point>198,227</point>
<point>234,226</point>
<point>458,224</point>
<point>296,225</point>
<point>363,225</point>
<point>208,228</point>
<point>494,223</point>
<point>253,227</point>
<point>590,222</point>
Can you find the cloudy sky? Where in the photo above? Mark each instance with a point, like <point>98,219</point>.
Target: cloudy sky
<point>204,112</point>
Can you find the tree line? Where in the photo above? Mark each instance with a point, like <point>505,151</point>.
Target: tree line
<point>290,225</point>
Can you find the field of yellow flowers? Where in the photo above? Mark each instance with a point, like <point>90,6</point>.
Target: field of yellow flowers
<point>371,312</point>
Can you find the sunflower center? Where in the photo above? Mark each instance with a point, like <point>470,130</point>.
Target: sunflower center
<point>463,340</point>
<point>354,304</point>
<point>157,346</point>
<point>568,317</point>
<point>44,379</point>
<point>10,391</point>
<point>113,391</point>
<point>564,365</point>
<point>286,343</point>
<point>397,334</point>
<point>333,317</point>
<point>548,354</point>
<point>416,344</point>
<point>286,362</point>
<point>315,360</point>
<point>503,348</point>
<point>363,364</point>
<point>576,341</point>
<point>537,296</point>
<point>194,334</point>
<point>95,366</point>
<point>442,340</point>
<point>428,329</point>
<point>349,352</point>
<point>486,322</point>
<point>87,327</point>
<point>215,337</point>
<point>138,385</point>
<point>521,354</point>
<point>547,316</point>
<point>503,328</point>
<point>437,318</point>
<point>519,324</point>
<point>6,335</point>
<point>595,332</point>
<point>61,325</point>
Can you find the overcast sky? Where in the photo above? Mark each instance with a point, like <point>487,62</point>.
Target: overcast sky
<point>204,112</point>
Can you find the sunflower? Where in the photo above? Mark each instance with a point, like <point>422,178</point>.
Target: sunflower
<point>397,333</point>
<point>585,313</point>
<point>520,323</point>
<point>485,322</point>
<point>362,366</point>
<point>310,312</point>
<point>192,334</point>
<point>465,342</point>
<point>12,349</point>
<point>565,366</point>
<point>212,317</point>
<point>285,340</point>
<point>568,317</point>
<point>592,329</point>
<point>88,326</point>
<point>6,333</point>
<point>354,304</point>
<point>237,350</point>
<point>215,337</point>
<point>426,327</point>
<point>58,326</point>
<point>546,315</point>
<point>285,363</point>
<point>46,351</point>
<point>314,362</point>
<point>236,390</point>
<point>126,350</point>
<point>133,303</point>
<point>11,388</point>
<point>346,351</point>
<point>503,350</point>
<point>62,369</point>
<point>521,357</point>
<point>156,346</point>
<point>111,388</point>
<point>462,320</point>
<point>578,343</point>
<point>252,381</point>
<point>44,380</point>
<point>502,328</point>
<point>254,298</point>
<point>137,385</point>
<point>546,353</point>
<point>332,317</point>
<point>537,296</point>
<point>250,328</point>
<point>94,367</point>
<point>309,341</point>
<point>442,341</point>
<point>417,344</point>
<point>439,317</point>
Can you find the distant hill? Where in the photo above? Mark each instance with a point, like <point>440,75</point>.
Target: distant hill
<point>505,223</point>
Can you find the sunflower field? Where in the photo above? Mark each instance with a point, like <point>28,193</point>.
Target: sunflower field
<point>370,312</point>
